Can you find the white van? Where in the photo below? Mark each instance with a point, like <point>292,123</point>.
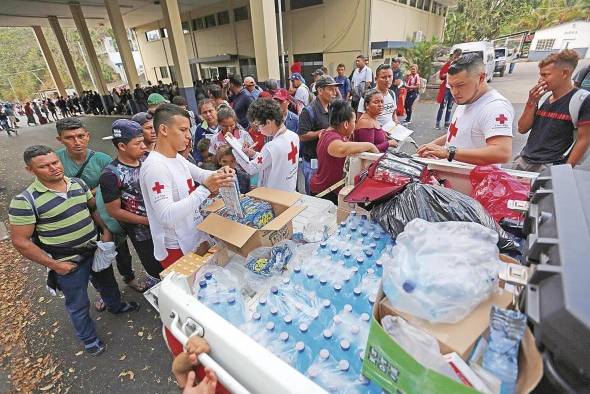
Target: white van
<point>486,51</point>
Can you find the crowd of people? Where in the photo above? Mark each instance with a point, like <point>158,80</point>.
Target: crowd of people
<point>170,161</point>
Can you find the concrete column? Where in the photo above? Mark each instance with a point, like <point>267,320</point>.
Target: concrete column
<point>173,24</point>
<point>114,11</point>
<point>99,80</point>
<point>57,81</point>
<point>264,31</point>
<point>61,40</point>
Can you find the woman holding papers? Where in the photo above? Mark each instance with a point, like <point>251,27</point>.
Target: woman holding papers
<point>227,120</point>
<point>277,162</point>
<point>368,127</point>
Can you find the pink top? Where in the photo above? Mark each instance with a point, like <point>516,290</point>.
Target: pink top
<point>330,168</point>
<point>373,135</point>
<point>412,81</point>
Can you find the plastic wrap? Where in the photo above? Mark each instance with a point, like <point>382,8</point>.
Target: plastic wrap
<point>334,375</point>
<point>418,344</point>
<point>267,261</point>
<point>436,204</point>
<point>442,271</point>
<point>104,256</point>
<point>257,213</point>
<point>493,187</point>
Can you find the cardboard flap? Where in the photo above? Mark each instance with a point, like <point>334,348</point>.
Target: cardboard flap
<point>275,196</point>
<point>280,221</point>
<point>229,231</point>
<point>215,205</point>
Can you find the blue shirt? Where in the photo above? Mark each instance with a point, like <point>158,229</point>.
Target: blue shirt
<point>345,88</point>
<point>255,93</point>
<point>292,121</point>
<point>240,103</point>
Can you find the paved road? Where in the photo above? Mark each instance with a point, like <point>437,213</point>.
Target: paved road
<point>134,342</point>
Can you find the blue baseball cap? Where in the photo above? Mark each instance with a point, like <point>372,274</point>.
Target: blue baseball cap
<point>125,129</point>
<point>297,76</point>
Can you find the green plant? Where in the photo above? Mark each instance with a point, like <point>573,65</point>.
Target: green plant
<point>423,55</point>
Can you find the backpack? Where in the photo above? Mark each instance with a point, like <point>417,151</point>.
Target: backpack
<point>574,109</point>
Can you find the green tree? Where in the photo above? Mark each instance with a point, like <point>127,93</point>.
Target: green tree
<point>546,13</point>
<point>423,55</point>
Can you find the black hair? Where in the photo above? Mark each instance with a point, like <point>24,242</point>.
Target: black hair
<point>369,95</point>
<point>361,57</point>
<point>204,102</point>
<point>225,112</point>
<point>457,51</point>
<point>262,110</point>
<point>340,112</point>
<point>66,124</point>
<point>34,151</point>
<point>215,91</point>
<point>117,141</point>
<point>165,112</point>
<point>382,67</point>
<point>203,144</point>
<point>470,62</point>
<point>179,100</point>
<point>271,84</point>
<point>236,80</point>
<point>341,65</point>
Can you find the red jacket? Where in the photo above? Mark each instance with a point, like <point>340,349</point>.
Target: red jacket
<point>440,97</point>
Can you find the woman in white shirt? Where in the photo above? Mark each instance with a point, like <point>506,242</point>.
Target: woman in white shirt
<point>227,120</point>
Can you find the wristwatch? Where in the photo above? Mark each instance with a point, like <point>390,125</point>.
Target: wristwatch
<point>452,151</point>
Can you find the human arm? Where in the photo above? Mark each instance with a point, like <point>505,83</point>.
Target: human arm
<point>370,135</point>
<point>340,148</point>
<point>581,144</point>
<point>525,123</point>
<point>106,234</point>
<point>440,141</point>
<point>111,195</point>
<point>304,130</point>
<point>188,359</point>
<point>260,161</point>
<point>498,150</point>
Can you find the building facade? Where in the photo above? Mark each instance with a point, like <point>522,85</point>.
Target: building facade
<point>219,36</point>
<point>572,35</point>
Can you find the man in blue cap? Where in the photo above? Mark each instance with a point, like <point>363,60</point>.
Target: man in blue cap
<point>302,91</point>
<point>121,193</point>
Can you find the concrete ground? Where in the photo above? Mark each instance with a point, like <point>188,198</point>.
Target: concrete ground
<point>136,359</point>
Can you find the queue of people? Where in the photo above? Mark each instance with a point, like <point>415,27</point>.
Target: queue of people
<point>169,162</point>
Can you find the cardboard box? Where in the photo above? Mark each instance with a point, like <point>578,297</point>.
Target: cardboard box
<point>188,265</point>
<point>242,239</point>
<point>389,366</point>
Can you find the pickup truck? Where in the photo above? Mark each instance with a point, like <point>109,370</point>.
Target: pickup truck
<point>501,58</point>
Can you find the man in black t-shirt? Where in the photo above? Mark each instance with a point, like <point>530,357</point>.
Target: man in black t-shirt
<point>121,192</point>
<point>551,140</point>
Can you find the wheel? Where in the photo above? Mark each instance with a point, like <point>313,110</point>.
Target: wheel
<point>502,71</point>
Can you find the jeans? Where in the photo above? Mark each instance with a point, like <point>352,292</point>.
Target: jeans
<point>410,98</point>
<point>124,258</point>
<point>145,251</point>
<point>448,102</point>
<point>308,172</point>
<point>74,286</point>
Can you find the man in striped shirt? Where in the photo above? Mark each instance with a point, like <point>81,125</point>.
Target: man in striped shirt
<point>53,223</point>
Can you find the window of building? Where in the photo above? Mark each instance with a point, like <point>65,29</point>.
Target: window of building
<point>186,28</point>
<point>296,4</point>
<point>164,72</point>
<point>248,67</point>
<point>163,32</point>
<point>198,24</point>
<point>310,62</point>
<point>210,21</point>
<point>172,73</point>
<point>545,44</point>
<point>223,18</point>
<point>412,3</point>
<point>426,6</point>
<point>282,5</point>
<point>194,73</point>
<point>376,54</point>
<point>152,35</point>
<point>443,11</point>
<point>241,13</point>
<point>420,4</point>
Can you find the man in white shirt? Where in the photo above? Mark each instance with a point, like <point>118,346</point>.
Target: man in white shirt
<point>480,132</point>
<point>384,75</point>
<point>174,189</point>
<point>362,78</point>
<point>302,91</point>
<point>277,162</point>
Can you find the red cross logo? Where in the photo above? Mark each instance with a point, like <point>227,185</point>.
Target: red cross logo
<point>293,154</point>
<point>157,187</point>
<point>259,160</point>
<point>452,131</point>
<point>501,119</point>
<point>191,185</point>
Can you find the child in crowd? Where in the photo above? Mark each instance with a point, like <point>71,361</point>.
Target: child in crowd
<point>208,160</point>
<point>228,123</point>
<point>225,157</point>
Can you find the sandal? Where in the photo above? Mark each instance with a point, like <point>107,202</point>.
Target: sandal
<point>138,286</point>
<point>130,306</point>
<point>99,304</point>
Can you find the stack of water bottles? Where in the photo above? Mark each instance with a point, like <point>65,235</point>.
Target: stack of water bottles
<point>316,316</point>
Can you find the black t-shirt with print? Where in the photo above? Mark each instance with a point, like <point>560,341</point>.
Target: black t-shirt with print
<point>552,131</point>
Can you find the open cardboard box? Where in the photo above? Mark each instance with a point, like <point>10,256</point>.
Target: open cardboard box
<point>388,365</point>
<point>187,266</point>
<point>242,239</point>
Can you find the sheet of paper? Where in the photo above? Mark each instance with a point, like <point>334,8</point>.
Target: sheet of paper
<point>236,146</point>
<point>397,132</point>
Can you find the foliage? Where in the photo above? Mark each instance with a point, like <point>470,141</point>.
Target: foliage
<point>476,20</point>
<point>23,66</point>
<point>423,54</point>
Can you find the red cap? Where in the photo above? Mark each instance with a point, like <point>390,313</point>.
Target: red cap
<point>281,95</point>
<point>265,95</point>
<point>296,67</point>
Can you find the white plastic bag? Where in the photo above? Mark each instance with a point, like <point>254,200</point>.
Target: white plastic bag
<point>441,271</point>
<point>104,256</point>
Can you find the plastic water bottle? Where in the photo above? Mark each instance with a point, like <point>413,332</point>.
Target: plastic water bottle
<point>323,290</point>
<point>328,310</point>
<point>327,341</point>
<point>289,326</point>
<point>303,356</point>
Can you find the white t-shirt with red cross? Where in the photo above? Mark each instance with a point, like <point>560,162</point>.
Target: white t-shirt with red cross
<point>172,202</point>
<point>277,162</point>
<point>472,124</point>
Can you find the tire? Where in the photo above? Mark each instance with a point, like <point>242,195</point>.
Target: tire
<point>502,71</point>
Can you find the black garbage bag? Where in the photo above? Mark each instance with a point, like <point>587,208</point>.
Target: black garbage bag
<point>436,204</point>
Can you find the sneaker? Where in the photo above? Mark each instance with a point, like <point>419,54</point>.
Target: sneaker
<point>447,125</point>
<point>130,306</point>
<point>437,127</point>
<point>95,349</point>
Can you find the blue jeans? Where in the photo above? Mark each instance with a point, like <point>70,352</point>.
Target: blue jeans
<point>74,286</point>
<point>448,102</point>
<point>308,172</point>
